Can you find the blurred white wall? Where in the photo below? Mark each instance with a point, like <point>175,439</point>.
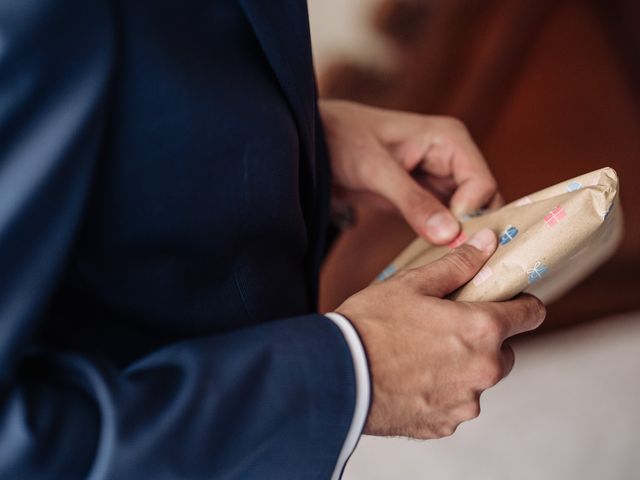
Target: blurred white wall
<point>341,29</point>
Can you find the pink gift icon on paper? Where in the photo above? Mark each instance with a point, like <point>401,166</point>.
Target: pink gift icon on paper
<point>555,216</point>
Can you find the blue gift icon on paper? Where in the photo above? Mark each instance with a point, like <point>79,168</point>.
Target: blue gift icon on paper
<point>477,213</point>
<point>508,235</point>
<point>386,273</point>
<point>537,272</point>
<point>573,186</point>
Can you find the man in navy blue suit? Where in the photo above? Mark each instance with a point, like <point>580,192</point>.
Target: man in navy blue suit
<point>164,201</point>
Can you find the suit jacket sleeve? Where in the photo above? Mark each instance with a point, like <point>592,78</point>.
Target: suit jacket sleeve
<point>274,401</point>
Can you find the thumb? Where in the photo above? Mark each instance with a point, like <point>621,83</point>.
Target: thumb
<point>420,208</point>
<point>458,266</point>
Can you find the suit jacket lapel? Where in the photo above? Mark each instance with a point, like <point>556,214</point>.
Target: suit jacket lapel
<point>282,29</point>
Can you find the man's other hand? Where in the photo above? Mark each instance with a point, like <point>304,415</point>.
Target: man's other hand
<point>418,164</point>
<point>431,358</point>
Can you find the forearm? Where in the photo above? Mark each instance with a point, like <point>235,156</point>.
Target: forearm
<point>238,403</point>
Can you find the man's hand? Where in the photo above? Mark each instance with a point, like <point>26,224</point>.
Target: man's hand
<point>429,358</point>
<point>415,163</point>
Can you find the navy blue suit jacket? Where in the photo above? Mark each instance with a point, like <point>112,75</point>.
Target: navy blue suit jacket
<point>163,214</point>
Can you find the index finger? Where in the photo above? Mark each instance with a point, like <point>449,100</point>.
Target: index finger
<point>476,186</point>
<point>522,314</point>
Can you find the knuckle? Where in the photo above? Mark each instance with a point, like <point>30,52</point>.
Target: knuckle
<point>491,184</point>
<point>530,311</point>
<point>453,123</point>
<point>446,430</point>
<point>370,170</point>
<point>405,275</point>
<point>462,261</point>
<point>419,434</point>
<point>490,372</point>
<point>537,309</point>
<point>487,328</point>
<point>471,410</point>
<point>411,277</point>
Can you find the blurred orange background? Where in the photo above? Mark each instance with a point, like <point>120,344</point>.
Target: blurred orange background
<point>548,89</point>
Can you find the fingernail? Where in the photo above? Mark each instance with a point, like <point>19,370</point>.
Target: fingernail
<point>483,240</point>
<point>442,226</point>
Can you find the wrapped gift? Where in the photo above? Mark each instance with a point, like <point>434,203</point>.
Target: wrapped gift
<point>523,201</point>
<point>606,212</point>
<point>477,213</point>
<point>536,272</point>
<point>555,216</point>
<point>509,234</point>
<point>540,260</point>
<point>386,273</point>
<point>573,186</point>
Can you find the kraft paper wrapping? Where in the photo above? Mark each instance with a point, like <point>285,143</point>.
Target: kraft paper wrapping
<point>548,241</point>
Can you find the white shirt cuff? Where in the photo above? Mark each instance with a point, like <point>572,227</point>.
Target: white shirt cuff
<point>363,390</point>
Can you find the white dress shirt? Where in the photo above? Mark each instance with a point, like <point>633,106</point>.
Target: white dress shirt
<point>363,390</point>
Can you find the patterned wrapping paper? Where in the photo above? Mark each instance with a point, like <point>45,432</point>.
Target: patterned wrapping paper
<point>548,241</point>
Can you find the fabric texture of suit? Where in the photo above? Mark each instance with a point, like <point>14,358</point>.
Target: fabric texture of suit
<point>164,195</point>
